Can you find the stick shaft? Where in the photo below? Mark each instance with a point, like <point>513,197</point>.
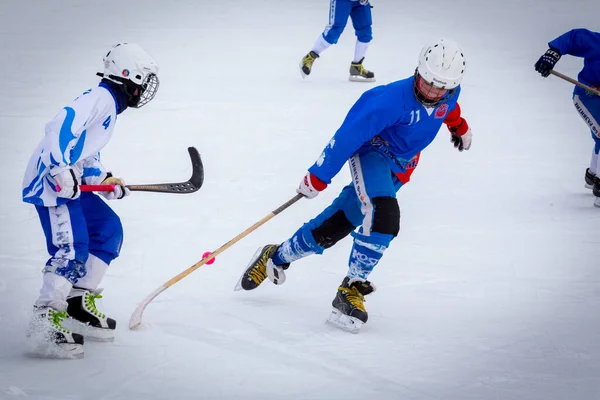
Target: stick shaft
<point>575,82</point>
<point>236,239</point>
<point>136,317</point>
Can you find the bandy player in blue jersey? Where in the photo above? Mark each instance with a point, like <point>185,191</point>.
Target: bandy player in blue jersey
<point>381,139</point>
<point>359,11</point>
<point>585,44</point>
<point>83,234</point>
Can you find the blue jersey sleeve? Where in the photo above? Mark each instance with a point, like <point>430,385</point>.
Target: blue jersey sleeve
<point>578,42</point>
<point>374,111</point>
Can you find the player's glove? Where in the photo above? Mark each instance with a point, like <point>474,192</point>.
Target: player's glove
<point>547,62</point>
<point>461,135</point>
<point>67,182</point>
<point>120,191</point>
<point>310,186</point>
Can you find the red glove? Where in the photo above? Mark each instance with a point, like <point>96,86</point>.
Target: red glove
<point>310,186</point>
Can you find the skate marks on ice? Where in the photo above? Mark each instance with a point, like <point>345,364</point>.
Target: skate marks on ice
<point>313,354</point>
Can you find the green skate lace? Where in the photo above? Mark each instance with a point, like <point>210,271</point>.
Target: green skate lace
<point>56,319</point>
<point>354,297</point>
<point>90,302</point>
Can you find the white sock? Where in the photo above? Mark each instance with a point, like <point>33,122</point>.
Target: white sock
<point>96,268</point>
<point>320,45</point>
<point>360,50</point>
<point>54,292</point>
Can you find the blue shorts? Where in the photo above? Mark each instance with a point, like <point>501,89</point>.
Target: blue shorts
<point>339,11</point>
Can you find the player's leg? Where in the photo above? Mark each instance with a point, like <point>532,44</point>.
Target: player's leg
<point>314,237</point>
<point>67,243</point>
<point>588,108</point>
<point>376,187</point>
<point>362,22</point>
<point>105,239</point>
<point>339,11</point>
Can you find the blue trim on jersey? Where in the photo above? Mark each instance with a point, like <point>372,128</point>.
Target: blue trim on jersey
<point>66,134</point>
<point>78,148</point>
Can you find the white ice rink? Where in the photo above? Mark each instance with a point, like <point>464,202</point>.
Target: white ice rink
<point>490,292</point>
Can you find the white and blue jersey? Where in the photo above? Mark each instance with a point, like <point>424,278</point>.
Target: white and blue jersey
<point>389,119</point>
<point>73,138</point>
<point>585,44</point>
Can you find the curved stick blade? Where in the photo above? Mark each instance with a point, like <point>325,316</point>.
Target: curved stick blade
<point>136,318</point>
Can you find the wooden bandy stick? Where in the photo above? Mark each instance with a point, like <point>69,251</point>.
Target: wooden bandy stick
<point>136,317</point>
<point>573,81</point>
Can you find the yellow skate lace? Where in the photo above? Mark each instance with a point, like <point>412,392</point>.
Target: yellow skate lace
<point>259,272</point>
<point>308,60</point>
<point>361,70</point>
<point>354,297</point>
<point>90,303</point>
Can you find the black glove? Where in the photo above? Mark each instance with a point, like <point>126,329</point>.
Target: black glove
<point>547,62</point>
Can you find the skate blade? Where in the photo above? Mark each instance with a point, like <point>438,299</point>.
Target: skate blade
<point>354,78</point>
<point>63,351</point>
<point>255,257</point>
<point>597,202</point>
<point>302,74</point>
<point>344,322</point>
<point>89,332</point>
<point>589,186</point>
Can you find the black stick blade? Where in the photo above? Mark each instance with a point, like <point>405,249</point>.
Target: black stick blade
<point>192,185</point>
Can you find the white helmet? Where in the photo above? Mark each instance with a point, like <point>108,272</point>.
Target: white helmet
<point>442,64</point>
<point>130,65</point>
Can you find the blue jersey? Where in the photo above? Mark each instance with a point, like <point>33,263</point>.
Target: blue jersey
<point>585,44</point>
<point>388,119</point>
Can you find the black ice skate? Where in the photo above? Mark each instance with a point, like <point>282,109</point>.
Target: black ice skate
<point>596,191</point>
<point>307,62</point>
<point>589,179</point>
<point>47,338</point>
<point>85,317</point>
<point>261,265</point>
<point>349,311</point>
<point>358,73</point>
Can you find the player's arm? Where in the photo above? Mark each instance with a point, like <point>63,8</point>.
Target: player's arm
<point>577,42</point>
<point>461,135</point>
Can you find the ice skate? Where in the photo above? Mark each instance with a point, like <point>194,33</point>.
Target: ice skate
<point>307,62</point>
<point>589,179</point>
<point>47,338</point>
<point>358,73</point>
<point>85,319</point>
<point>349,311</point>
<point>260,267</point>
<point>596,191</point>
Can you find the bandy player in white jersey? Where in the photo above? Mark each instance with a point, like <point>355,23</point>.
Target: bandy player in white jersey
<point>83,234</point>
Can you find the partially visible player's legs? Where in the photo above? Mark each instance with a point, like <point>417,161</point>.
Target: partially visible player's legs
<point>362,22</point>
<point>67,242</point>
<point>588,108</point>
<point>339,11</point>
<point>376,188</point>
<point>314,237</point>
<point>105,239</point>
